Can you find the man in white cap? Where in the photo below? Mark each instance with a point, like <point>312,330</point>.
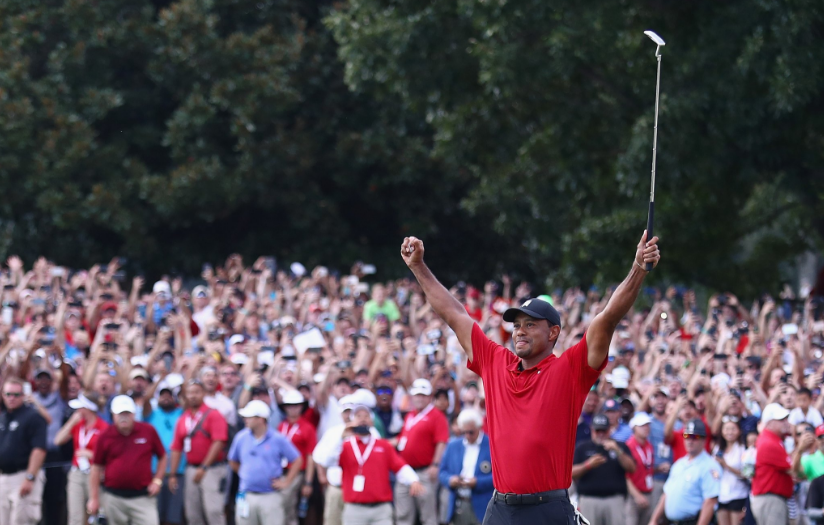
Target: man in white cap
<point>304,437</point>
<point>421,444</point>
<point>772,484</point>
<point>257,456</point>
<point>639,483</point>
<point>325,456</point>
<point>123,456</point>
<point>203,313</point>
<point>365,463</point>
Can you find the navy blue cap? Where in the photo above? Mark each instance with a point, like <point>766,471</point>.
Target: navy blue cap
<point>537,309</point>
<point>611,404</point>
<point>695,427</point>
<point>600,422</point>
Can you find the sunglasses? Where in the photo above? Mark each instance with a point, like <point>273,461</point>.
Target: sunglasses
<point>692,437</point>
<point>383,391</point>
<point>729,419</point>
<point>13,394</point>
<point>600,430</point>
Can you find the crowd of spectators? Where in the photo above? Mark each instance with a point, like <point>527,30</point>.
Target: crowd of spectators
<point>282,395</point>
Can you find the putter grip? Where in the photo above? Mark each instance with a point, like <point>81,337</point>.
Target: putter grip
<point>650,221</point>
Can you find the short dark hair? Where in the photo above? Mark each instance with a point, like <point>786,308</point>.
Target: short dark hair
<point>442,392</point>
<point>805,391</point>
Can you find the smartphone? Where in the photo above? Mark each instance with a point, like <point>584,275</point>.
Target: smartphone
<point>361,430</point>
<point>668,369</point>
<point>7,315</point>
<point>368,269</point>
<point>27,389</point>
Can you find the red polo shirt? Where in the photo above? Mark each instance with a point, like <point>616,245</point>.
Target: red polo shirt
<point>214,428</point>
<point>382,460</point>
<point>644,464</point>
<point>532,415</point>
<point>128,459</point>
<point>772,464</point>
<point>420,438</point>
<point>303,435</point>
<point>90,437</point>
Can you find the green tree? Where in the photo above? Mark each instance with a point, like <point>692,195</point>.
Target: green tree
<point>547,107</point>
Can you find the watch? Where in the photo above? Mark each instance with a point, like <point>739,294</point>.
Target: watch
<point>29,477</point>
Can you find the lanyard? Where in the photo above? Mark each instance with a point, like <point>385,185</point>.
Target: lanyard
<point>412,421</point>
<point>191,422</point>
<point>366,453</point>
<point>83,438</point>
<point>290,430</point>
<point>645,459</point>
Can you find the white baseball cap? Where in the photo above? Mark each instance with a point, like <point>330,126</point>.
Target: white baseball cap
<point>774,412</point>
<point>200,291</point>
<point>421,386</point>
<point>83,402</point>
<point>236,339</point>
<point>640,419</point>
<point>619,377</point>
<point>364,397</point>
<point>122,404</point>
<point>255,408</point>
<point>345,403</point>
<point>292,397</point>
<point>162,287</point>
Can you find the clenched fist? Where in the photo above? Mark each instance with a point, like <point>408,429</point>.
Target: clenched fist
<point>412,251</point>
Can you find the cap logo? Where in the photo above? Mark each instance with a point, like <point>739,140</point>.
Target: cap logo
<point>526,304</point>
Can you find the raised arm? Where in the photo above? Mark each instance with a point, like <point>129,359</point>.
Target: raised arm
<point>444,304</point>
<point>603,325</point>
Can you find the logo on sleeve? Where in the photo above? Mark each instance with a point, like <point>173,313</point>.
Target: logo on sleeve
<point>715,474</point>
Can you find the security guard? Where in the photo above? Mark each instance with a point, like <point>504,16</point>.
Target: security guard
<point>691,492</point>
<point>22,451</point>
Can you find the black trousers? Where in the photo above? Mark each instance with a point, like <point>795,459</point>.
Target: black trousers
<point>556,512</point>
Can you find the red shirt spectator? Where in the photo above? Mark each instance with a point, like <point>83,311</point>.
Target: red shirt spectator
<point>302,435</point>
<point>772,466</point>
<point>127,460</point>
<point>644,457</point>
<point>195,432</point>
<point>83,438</point>
<point>378,462</point>
<point>422,432</point>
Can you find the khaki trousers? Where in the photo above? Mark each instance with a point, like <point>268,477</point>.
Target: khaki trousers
<point>264,509</point>
<point>769,509</point>
<point>290,500</point>
<point>16,510</point>
<point>464,513</point>
<point>635,514</point>
<point>602,511</point>
<point>333,506</point>
<point>130,511</point>
<point>204,502</point>
<point>657,492</point>
<point>77,494</point>
<point>354,514</point>
<point>406,506</point>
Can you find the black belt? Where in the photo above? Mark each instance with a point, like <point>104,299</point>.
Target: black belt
<point>691,521</point>
<point>376,504</point>
<point>210,466</point>
<point>530,499</point>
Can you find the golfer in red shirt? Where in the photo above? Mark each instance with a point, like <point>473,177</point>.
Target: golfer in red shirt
<point>533,396</point>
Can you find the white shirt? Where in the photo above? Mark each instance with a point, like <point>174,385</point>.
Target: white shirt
<point>224,405</point>
<point>812,417</point>
<point>327,452</point>
<point>329,416</point>
<point>470,461</point>
<point>733,487</point>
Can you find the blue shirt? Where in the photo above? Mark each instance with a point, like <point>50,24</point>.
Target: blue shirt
<point>165,422</point>
<point>622,433</point>
<point>663,452</point>
<point>260,459</point>
<point>691,481</point>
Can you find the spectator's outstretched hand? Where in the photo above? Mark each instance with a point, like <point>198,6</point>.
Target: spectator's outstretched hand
<point>412,251</point>
<point>647,251</point>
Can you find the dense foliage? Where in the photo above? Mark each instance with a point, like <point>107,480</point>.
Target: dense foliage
<point>507,133</point>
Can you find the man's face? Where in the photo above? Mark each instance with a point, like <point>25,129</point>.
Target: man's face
<point>787,399</point>
<point>166,400</point>
<point>700,404</point>
<point>420,401</point>
<point>201,302</point>
<point>470,431</point>
<point>379,294</point>
<point>44,384</point>
<point>641,431</point>
<point>803,401</point>
<point>209,380</point>
<point>362,417</point>
<point>103,384</point>
<point>532,336</point>
<point>194,394</point>
<point>613,416</point>
<point>736,408</point>
<point>693,444</point>
<point>659,404</point>
<point>599,435</point>
<point>688,412</point>
<point>293,411</point>
<point>591,402</point>
<point>442,403</point>
<point>254,423</point>
<point>124,422</point>
<point>74,386</point>
<point>342,389</point>
<point>229,378</point>
<point>384,396</point>
<point>139,385</point>
<point>13,396</point>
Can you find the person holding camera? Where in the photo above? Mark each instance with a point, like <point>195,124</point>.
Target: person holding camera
<point>257,455</point>
<point>365,463</point>
<point>421,444</point>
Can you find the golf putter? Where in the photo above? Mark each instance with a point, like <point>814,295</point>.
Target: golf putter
<point>651,215</point>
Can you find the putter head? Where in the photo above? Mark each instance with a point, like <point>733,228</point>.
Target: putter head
<point>655,38</point>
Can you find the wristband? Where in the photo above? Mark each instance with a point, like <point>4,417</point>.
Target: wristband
<point>158,482</point>
<point>640,265</point>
